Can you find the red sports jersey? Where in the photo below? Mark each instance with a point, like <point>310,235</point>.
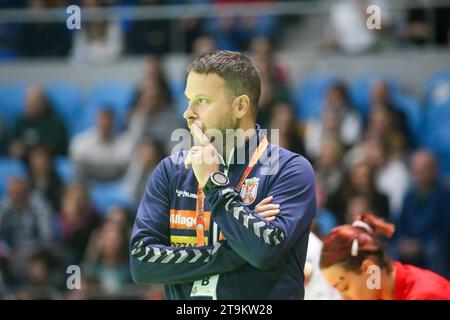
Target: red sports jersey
<point>412,283</point>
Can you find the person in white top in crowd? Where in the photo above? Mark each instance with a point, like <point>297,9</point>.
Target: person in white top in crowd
<point>97,41</point>
<point>102,154</point>
<point>349,26</point>
<point>392,175</point>
<point>339,119</point>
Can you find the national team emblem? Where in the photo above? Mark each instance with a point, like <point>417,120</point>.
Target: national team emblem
<point>249,190</point>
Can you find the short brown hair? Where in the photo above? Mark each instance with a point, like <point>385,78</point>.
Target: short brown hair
<point>237,70</point>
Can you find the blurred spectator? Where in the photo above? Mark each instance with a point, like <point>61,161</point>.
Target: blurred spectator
<point>383,127</point>
<point>153,108</point>
<point>102,154</point>
<point>44,39</point>
<point>274,86</point>
<point>107,258</point>
<point>391,177</point>
<point>359,181</point>
<point>148,36</point>
<point>39,124</point>
<point>148,155</point>
<point>97,41</point>
<point>236,31</point>
<point>44,276</point>
<point>284,120</point>
<point>154,72</point>
<point>44,178</point>
<point>325,219</point>
<point>203,44</point>
<point>328,166</point>
<point>25,224</point>
<point>318,131</point>
<point>339,117</point>
<point>382,98</point>
<point>426,25</point>
<point>356,206</point>
<point>120,217</point>
<point>77,221</point>
<point>348,24</point>
<point>423,230</point>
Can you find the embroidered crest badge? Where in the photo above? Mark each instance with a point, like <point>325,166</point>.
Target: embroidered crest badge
<point>249,190</point>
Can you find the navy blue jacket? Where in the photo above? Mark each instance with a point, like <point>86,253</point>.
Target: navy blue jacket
<point>257,259</point>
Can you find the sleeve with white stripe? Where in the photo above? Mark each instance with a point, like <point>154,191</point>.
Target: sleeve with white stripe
<point>255,239</point>
<point>152,259</point>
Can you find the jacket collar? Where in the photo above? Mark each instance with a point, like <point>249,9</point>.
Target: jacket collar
<point>241,155</point>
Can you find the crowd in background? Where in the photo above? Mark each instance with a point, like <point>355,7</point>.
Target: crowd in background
<point>105,41</point>
<point>369,161</point>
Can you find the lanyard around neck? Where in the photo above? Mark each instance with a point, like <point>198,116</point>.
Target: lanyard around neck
<point>200,219</point>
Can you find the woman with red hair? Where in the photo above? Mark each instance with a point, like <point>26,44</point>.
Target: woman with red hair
<point>354,262</point>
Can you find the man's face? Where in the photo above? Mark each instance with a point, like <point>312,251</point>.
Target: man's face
<point>209,102</point>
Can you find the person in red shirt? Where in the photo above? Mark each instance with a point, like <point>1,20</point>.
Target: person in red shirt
<point>354,262</point>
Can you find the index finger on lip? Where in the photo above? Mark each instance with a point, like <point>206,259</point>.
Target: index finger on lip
<point>199,135</point>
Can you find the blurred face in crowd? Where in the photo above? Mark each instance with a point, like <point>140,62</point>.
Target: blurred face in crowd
<point>380,119</point>
<point>356,207</point>
<point>110,241</point>
<point>331,122</point>
<point>105,123</point>
<point>376,154</point>
<point>117,216</point>
<point>18,190</point>
<point>351,285</point>
<point>38,271</point>
<point>40,161</point>
<point>148,154</point>
<point>150,98</point>
<point>74,203</point>
<point>35,102</point>
<point>152,67</point>
<point>424,169</point>
<point>360,177</point>
<point>282,117</point>
<point>209,101</point>
<point>203,45</point>
<point>380,92</point>
<point>335,98</point>
<point>330,153</point>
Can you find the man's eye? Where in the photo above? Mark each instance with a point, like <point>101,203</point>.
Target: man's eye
<point>202,100</point>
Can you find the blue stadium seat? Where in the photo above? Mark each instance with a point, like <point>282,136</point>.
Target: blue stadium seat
<point>413,111</point>
<point>436,134</point>
<point>310,94</point>
<point>179,99</point>
<point>438,89</point>
<point>66,98</point>
<point>360,90</point>
<point>9,168</point>
<point>12,100</point>
<point>106,195</point>
<point>65,169</point>
<point>116,94</point>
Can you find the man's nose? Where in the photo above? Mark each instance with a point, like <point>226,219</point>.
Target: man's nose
<point>189,114</point>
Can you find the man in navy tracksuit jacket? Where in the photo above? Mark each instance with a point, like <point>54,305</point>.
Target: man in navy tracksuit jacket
<point>243,256</point>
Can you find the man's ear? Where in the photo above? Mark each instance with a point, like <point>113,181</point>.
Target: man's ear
<point>241,106</point>
<point>367,263</point>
